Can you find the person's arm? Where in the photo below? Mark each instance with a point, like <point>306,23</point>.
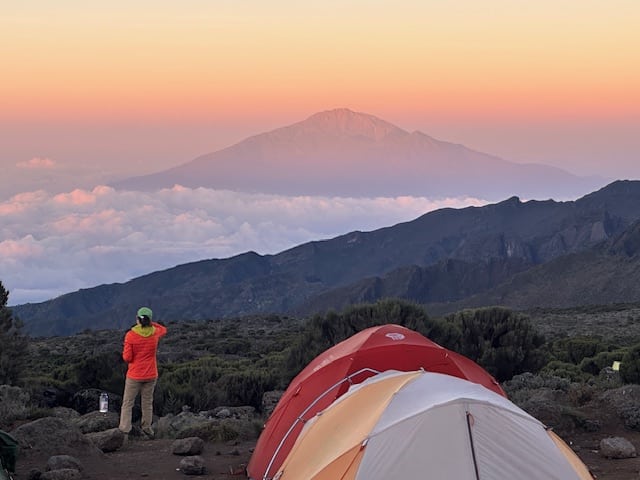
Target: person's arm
<point>127,351</point>
<point>161,330</point>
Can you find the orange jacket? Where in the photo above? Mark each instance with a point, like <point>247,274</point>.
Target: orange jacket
<point>140,346</point>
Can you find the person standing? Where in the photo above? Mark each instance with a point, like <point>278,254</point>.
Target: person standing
<point>139,352</point>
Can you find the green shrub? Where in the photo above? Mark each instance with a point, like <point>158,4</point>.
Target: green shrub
<point>575,349</point>
<point>322,332</point>
<point>105,371</point>
<point>530,381</point>
<point>593,365</point>
<point>630,366</point>
<point>502,341</point>
<point>565,370</point>
<point>210,381</point>
<point>247,388</point>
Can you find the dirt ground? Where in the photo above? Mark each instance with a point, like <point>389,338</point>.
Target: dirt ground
<point>153,459</point>
<point>586,446</point>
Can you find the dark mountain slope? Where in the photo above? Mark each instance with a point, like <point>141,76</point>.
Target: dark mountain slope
<point>606,273</point>
<point>495,241</point>
<point>447,281</point>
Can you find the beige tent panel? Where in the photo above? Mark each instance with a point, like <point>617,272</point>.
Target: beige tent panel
<point>337,431</point>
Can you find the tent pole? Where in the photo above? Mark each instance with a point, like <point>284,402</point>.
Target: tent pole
<point>473,450</point>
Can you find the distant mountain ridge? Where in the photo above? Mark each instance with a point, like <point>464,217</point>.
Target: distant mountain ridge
<point>344,153</point>
<point>448,255</point>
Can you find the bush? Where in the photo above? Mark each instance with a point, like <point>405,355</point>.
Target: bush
<point>502,341</point>
<point>529,381</point>
<point>575,349</point>
<point>323,332</point>
<point>565,370</point>
<point>594,365</point>
<point>247,388</point>
<point>630,366</point>
<point>210,381</point>
<point>105,372</point>
<point>13,343</point>
<point>14,405</point>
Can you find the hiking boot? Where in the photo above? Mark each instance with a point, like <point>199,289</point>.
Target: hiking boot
<point>148,432</point>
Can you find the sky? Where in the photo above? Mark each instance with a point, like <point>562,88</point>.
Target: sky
<point>96,91</point>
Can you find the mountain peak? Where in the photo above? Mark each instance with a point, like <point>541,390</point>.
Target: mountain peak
<point>341,152</point>
<point>343,121</point>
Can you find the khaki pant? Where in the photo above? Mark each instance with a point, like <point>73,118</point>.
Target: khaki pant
<point>131,390</point>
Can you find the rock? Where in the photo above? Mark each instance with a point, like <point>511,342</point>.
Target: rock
<point>58,462</point>
<point>51,397</point>
<point>34,474</point>
<point>88,399</point>
<point>176,426</point>
<point>245,413</point>
<point>223,413</point>
<point>85,401</point>
<point>617,447</point>
<point>193,465</point>
<point>238,469</point>
<point>270,400</point>
<point>64,412</point>
<point>188,446</point>
<point>53,436</point>
<point>97,422</point>
<point>62,474</point>
<point>107,441</point>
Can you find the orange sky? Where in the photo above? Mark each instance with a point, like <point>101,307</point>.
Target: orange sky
<point>214,72</point>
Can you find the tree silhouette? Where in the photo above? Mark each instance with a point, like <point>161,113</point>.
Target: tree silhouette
<point>13,344</point>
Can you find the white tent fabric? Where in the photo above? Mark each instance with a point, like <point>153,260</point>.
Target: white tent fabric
<point>436,426</point>
<point>426,421</point>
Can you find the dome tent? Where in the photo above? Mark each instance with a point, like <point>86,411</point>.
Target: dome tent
<point>328,376</point>
<point>427,425</point>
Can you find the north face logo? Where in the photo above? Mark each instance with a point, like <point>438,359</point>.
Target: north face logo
<point>395,336</point>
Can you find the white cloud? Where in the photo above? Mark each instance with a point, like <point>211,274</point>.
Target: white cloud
<point>37,163</point>
<point>54,244</point>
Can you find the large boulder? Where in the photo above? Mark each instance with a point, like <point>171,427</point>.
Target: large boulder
<point>188,446</point>
<point>58,462</point>
<point>176,426</point>
<point>53,436</point>
<point>221,424</point>
<point>62,474</point>
<point>107,441</point>
<point>65,412</point>
<point>617,447</point>
<point>96,421</point>
<point>193,465</point>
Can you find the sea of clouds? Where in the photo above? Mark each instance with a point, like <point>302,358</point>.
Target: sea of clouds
<point>52,244</point>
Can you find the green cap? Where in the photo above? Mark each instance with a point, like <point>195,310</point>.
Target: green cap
<point>145,311</point>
